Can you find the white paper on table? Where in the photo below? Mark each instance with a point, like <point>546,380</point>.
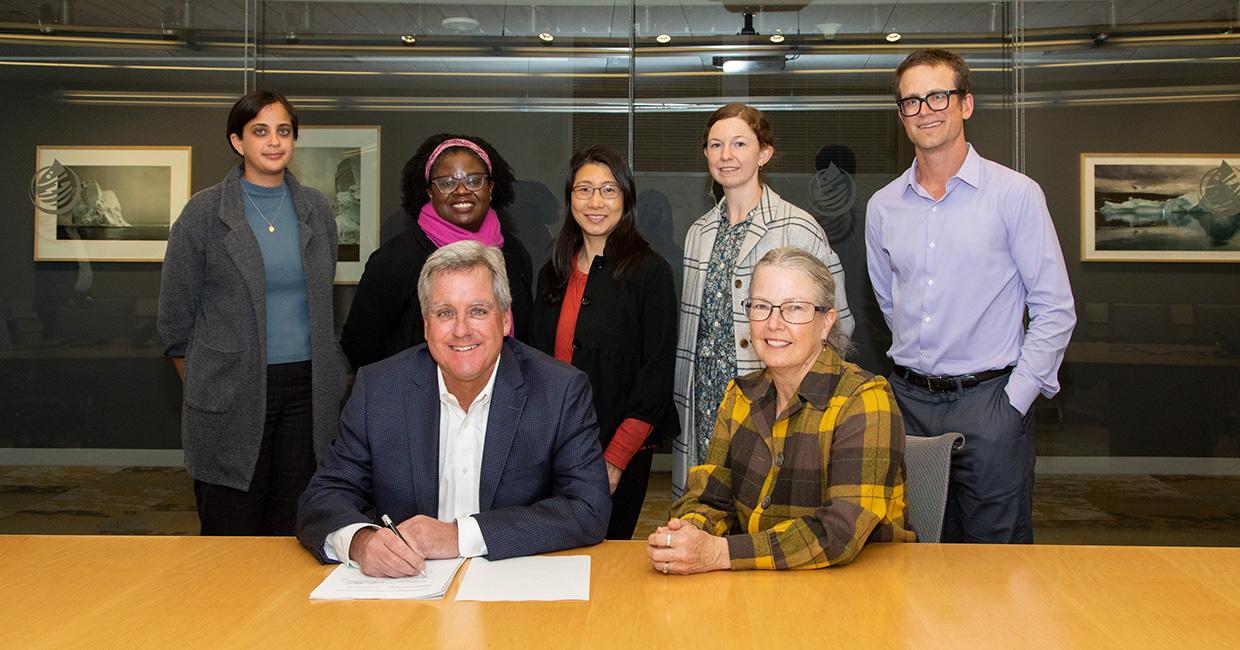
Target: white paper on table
<point>564,577</point>
<point>349,583</point>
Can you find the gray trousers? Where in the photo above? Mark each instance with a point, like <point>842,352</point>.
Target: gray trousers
<point>990,496</point>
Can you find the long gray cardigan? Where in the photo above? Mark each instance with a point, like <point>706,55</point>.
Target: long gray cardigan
<point>213,312</point>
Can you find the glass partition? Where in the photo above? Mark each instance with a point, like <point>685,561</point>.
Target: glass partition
<point>1129,111</point>
<point>115,94</point>
<point>1123,112</point>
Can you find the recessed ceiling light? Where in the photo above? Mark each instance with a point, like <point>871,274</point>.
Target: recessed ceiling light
<point>777,37</point>
<point>459,23</point>
<point>408,39</point>
<point>546,37</point>
<point>893,37</point>
<point>663,38</point>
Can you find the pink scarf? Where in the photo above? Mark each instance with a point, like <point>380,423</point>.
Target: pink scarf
<point>442,233</point>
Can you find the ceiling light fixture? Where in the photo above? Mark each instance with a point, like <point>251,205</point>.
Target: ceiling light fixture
<point>663,38</point>
<point>546,37</point>
<point>828,30</point>
<point>750,65</point>
<point>408,39</point>
<point>459,23</point>
<point>893,37</point>
<point>777,37</point>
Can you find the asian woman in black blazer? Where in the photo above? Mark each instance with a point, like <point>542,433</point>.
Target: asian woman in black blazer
<point>606,304</point>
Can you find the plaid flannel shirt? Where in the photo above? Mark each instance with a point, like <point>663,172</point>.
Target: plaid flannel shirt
<point>807,489</point>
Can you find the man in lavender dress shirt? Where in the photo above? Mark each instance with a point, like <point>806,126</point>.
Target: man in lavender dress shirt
<point>958,247</point>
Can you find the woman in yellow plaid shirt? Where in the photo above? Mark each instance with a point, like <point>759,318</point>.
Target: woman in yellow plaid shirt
<point>806,463</point>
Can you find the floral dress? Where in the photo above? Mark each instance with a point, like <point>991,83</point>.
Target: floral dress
<point>715,364</point>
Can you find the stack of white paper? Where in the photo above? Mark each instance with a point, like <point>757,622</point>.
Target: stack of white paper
<point>564,577</point>
<point>349,583</point>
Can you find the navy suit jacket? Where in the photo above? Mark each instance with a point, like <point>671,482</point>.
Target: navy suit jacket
<point>543,485</point>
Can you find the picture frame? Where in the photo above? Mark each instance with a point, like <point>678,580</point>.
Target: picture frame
<point>1160,207</point>
<point>107,203</point>
<point>342,162</point>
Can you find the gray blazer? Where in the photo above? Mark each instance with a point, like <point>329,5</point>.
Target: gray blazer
<point>213,312</point>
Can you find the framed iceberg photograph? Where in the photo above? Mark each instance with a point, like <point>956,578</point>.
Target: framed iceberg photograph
<point>342,162</point>
<point>107,204</point>
<point>1160,207</point>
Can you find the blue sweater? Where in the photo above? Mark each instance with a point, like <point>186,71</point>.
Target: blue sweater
<point>288,316</point>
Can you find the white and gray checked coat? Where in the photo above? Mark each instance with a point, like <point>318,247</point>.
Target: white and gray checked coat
<point>775,223</point>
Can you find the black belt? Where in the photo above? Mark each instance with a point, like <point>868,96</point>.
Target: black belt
<point>942,383</point>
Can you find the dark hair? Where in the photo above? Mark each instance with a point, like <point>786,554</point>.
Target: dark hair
<point>625,245</point>
<point>413,181</point>
<point>752,116</point>
<point>249,106</point>
<point>933,57</point>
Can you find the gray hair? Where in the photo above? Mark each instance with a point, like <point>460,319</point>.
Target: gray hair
<point>797,259</point>
<point>463,256</point>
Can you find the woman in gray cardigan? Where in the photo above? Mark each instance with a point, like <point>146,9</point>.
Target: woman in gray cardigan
<point>245,311</point>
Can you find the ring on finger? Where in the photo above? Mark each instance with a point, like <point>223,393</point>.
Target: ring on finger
<point>665,568</point>
<point>669,540</point>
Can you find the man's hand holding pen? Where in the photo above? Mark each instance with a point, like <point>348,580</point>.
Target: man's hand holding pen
<point>398,551</point>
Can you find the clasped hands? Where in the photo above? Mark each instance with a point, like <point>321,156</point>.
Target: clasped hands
<point>682,548</point>
<point>380,553</point>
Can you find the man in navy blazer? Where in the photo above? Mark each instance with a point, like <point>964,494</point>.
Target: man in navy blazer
<point>475,443</point>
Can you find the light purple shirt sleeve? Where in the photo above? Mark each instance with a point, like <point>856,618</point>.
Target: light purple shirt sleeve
<point>1048,296</point>
<point>878,261</point>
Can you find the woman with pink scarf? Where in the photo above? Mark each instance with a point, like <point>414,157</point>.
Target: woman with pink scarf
<point>452,188</point>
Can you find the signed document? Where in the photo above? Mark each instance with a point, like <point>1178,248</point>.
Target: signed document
<point>349,583</point>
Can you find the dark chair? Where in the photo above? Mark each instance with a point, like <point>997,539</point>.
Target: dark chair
<point>927,465</point>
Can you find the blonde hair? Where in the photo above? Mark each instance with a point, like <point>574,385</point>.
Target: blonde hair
<point>798,259</point>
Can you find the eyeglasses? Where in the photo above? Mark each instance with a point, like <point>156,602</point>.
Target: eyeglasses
<point>795,312</point>
<point>448,184</point>
<point>937,101</point>
<point>584,192</point>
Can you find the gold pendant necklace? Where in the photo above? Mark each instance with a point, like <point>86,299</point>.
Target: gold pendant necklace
<point>271,223</point>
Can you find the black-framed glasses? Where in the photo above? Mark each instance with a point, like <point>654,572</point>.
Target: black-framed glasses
<point>584,192</point>
<point>448,184</point>
<point>937,101</point>
<point>795,312</point>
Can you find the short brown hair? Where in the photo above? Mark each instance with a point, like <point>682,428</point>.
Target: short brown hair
<point>752,116</point>
<point>933,57</point>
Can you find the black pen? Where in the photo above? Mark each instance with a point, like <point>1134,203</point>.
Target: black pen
<point>387,521</point>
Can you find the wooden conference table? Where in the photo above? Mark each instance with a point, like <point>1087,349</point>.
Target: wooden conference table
<point>252,592</point>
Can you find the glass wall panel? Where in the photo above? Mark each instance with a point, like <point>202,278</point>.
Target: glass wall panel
<point>821,72</point>
<point>116,108</point>
<point>121,108</point>
<point>1153,369</point>
<point>535,81</point>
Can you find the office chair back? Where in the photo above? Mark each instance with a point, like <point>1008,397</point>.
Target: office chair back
<point>927,466</point>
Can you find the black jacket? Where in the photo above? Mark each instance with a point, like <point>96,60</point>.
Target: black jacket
<point>386,317</point>
<point>625,342</point>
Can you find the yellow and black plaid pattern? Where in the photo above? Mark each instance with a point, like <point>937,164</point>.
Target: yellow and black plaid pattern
<point>810,487</point>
